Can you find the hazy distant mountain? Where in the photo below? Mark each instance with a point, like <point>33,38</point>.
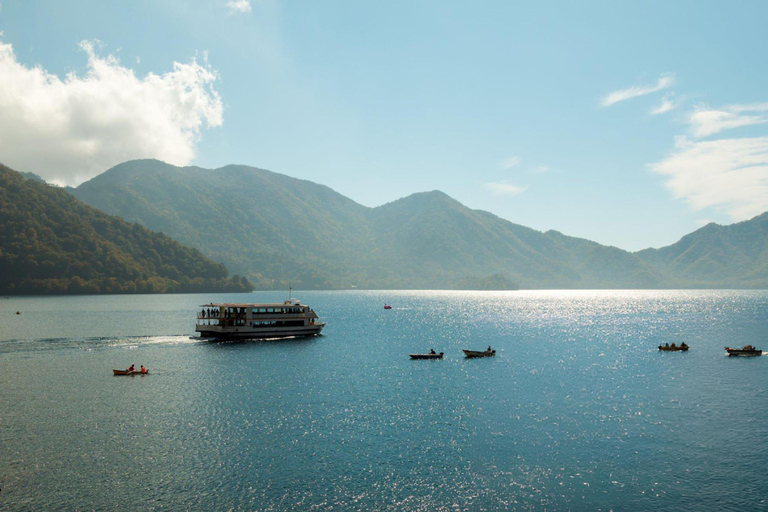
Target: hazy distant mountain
<point>50,242</point>
<point>262,224</point>
<point>274,228</point>
<point>718,256</point>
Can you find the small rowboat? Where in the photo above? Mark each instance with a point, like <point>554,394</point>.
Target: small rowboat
<point>747,350</point>
<point>674,348</point>
<point>126,372</point>
<point>478,353</point>
<point>387,306</point>
<point>426,356</point>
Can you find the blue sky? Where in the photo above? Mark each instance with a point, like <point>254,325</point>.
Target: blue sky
<point>630,124</point>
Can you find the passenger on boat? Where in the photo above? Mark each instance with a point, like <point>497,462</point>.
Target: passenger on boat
<point>489,348</point>
<point>666,345</point>
<point>132,368</point>
<point>143,370</point>
<point>432,351</point>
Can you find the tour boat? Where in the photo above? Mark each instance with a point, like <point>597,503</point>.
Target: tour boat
<point>227,321</point>
<point>746,350</point>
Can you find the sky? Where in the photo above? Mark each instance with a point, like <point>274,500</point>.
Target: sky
<point>628,123</point>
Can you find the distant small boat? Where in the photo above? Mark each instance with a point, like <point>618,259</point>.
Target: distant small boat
<point>479,353</point>
<point>746,350</point>
<point>126,372</point>
<point>387,306</point>
<point>427,356</point>
<point>673,348</point>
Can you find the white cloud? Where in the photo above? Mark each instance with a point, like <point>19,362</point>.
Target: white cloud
<point>665,80</point>
<point>504,189</point>
<point>70,130</point>
<point>730,174</point>
<point>239,6</point>
<point>705,121</point>
<point>509,163</point>
<point>666,105</point>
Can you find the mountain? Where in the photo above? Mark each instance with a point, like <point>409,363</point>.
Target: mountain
<point>274,229</point>
<point>717,256</point>
<point>50,242</point>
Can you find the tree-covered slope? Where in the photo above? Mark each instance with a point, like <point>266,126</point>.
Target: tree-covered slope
<point>275,229</point>
<point>259,223</point>
<point>717,256</point>
<point>51,242</point>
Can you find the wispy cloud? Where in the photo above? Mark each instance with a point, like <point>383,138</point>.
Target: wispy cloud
<point>666,105</point>
<point>238,6</point>
<point>511,162</point>
<point>69,130</point>
<point>500,188</point>
<point>731,174</point>
<point>705,121</point>
<point>665,81</point>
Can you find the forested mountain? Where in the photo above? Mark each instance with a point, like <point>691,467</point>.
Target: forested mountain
<point>717,256</point>
<point>50,242</point>
<point>273,228</point>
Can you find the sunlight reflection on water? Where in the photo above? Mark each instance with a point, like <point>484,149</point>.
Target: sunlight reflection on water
<point>577,410</point>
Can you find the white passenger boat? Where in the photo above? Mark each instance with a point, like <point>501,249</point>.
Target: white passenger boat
<point>257,321</point>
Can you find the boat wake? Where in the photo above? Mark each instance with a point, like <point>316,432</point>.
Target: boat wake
<point>93,343</point>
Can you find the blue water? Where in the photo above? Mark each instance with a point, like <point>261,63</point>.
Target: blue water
<point>578,411</point>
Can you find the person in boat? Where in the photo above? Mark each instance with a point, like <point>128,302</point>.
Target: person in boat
<point>144,370</point>
<point>666,345</point>
<point>673,345</point>
<point>489,349</point>
<point>432,351</point>
<point>132,368</point>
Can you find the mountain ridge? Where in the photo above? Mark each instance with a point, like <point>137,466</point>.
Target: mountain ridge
<point>275,228</point>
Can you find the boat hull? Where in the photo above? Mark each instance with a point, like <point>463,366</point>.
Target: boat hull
<point>426,356</point>
<point>249,333</point>
<point>673,349</point>
<point>745,353</point>
<point>479,353</point>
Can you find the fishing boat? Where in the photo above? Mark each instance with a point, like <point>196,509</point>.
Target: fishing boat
<point>673,348</point>
<point>746,350</point>
<point>431,355</point>
<point>479,353</point>
<point>129,372</point>
<point>228,321</point>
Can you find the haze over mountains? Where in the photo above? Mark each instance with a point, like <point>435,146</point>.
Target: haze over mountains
<point>274,229</point>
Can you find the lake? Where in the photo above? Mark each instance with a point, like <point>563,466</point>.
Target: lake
<point>578,410</point>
